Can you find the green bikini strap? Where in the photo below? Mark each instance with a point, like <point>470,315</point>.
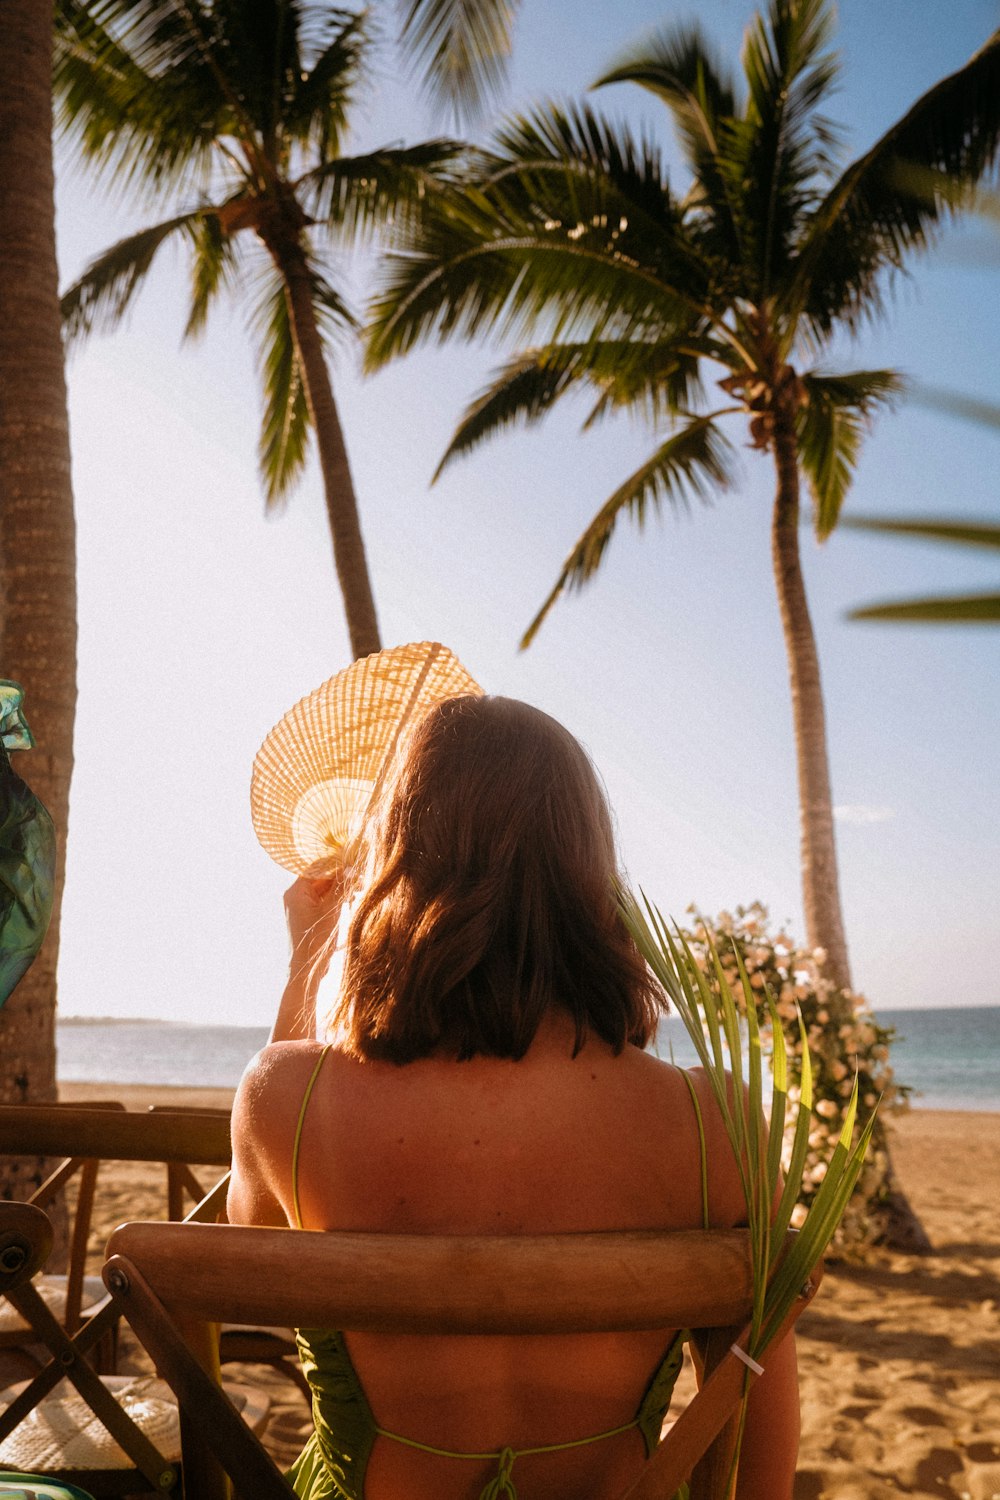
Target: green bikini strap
<point>501,1486</point>
<point>701,1147</point>
<point>298,1134</point>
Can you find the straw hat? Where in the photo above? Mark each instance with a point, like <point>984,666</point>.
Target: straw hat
<point>314,775</point>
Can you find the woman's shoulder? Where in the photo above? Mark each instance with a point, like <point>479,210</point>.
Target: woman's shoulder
<point>275,1084</point>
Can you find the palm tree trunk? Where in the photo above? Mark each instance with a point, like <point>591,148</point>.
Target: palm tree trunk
<point>341,501</point>
<point>820,889</point>
<point>37,528</point>
<point>897,1224</point>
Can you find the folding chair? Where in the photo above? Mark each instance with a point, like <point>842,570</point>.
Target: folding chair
<point>172,1281</point>
<point>25,1241</point>
<point>68,1434</point>
<point>72,1295</point>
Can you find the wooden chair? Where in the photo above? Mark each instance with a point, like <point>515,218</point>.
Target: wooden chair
<point>133,1462</point>
<point>172,1281</point>
<point>25,1242</point>
<point>76,1295</point>
<point>72,1295</point>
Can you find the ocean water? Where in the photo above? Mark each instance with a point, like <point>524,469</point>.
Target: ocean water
<point>951,1057</point>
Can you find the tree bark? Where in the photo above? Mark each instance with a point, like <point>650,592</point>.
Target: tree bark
<point>820,889</point>
<point>341,501</point>
<point>37,528</point>
<point>896,1223</point>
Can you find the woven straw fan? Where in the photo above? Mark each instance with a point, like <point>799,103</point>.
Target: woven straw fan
<point>315,773</point>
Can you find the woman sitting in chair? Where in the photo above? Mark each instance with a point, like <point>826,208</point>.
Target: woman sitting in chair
<point>488,1077</point>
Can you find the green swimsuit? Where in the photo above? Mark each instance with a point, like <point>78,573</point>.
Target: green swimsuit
<point>332,1465</point>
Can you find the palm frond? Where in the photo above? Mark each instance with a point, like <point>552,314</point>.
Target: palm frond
<point>967,609</point>
<point>284,431</point>
<point>461,49</point>
<point>956,404</point>
<point>967,533</point>
<point>692,462</point>
<point>569,165</point>
<point>134,90</point>
<point>315,107</point>
<point>286,420</point>
<point>954,610</point>
<point>522,391</point>
<point>780,147</point>
<point>359,195</point>
<point>649,378</point>
<point>679,67</point>
<point>568,221</point>
<point>873,215</point>
<point>214,261</point>
<point>707,1005</point>
<point>104,292</point>
<point>831,427</point>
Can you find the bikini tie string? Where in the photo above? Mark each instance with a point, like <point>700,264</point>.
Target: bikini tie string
<point>501,1486</point>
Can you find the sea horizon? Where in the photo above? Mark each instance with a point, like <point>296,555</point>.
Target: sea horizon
<point>948,1055</point>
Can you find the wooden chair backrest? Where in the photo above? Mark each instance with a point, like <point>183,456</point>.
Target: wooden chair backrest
<point>87,1134</point>
<point>172,1279</point>
<point>115,1134</point>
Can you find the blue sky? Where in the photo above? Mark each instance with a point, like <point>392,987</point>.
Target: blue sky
<point>202,621</point>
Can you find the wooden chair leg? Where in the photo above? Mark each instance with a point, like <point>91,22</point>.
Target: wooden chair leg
<point>216,1442</point>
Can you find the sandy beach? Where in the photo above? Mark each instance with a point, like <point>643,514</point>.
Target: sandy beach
<point>899,1359</point>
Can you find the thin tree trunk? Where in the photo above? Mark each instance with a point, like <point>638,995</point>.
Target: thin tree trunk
<point>820,890</point>
<point>897,1224</point>
<point>37,529</point>
<point>341,501</point>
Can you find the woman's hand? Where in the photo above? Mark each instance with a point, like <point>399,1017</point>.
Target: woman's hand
<point>312,911</point>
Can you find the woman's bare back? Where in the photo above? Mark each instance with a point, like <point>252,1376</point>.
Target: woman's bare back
<point>550,1143</point>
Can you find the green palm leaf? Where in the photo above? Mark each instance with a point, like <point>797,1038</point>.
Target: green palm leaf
<point>968,533</point>
<point>647,377</point>
<point>522,391</point>
<point>214,261</point>
<point>969,408</point>
<point>708,1011</point>
<point>679,67</point>
<point>461,46</point>
<point>317,100</point>
<point>872,215</point>
<point>385,189</point>
<point>693,462</point>
<point>831,427</point>
<point>284,433</point>
<point>285,423</point>
<point>104,292</point>
<point>110,58</point>
<point>781,147</point>
<point>968,609</point>
<point>595,246</point>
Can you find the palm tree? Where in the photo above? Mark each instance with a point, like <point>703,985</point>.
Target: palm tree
<point>236,112</point>
<point>37,529</point>
<point>569,231</point>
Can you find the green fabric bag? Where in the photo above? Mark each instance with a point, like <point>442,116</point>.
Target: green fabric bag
<point>38,1487</point>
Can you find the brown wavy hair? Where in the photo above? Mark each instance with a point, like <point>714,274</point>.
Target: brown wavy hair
<point>488,871</point>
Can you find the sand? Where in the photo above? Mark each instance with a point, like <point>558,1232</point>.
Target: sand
<point>899,1358</point>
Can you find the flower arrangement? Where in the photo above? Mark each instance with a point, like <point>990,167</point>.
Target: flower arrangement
<point>844,1039</point>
